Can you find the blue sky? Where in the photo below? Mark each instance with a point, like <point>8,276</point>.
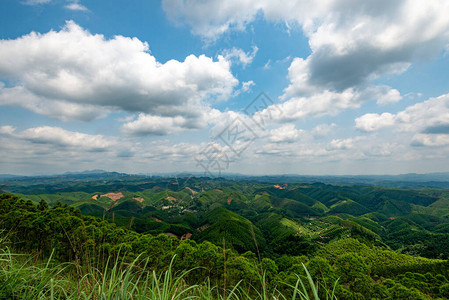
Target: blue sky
<point>349,87</point>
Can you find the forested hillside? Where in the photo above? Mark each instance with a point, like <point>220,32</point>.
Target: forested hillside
<point>239,238</point>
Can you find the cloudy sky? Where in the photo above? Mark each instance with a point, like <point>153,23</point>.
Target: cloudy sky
<point>247,86</point>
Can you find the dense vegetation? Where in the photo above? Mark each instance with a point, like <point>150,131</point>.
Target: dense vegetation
<point>236,238</point>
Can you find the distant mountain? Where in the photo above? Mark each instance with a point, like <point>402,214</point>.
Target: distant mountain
<point>410,180</point>
<point>9,176</point>
<point>87,172</point>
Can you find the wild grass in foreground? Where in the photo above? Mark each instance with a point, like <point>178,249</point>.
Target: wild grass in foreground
<point>23,278</point>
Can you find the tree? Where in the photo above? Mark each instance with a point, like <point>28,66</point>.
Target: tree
<point>43,205</point>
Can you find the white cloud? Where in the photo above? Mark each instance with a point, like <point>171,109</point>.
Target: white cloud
<point>267,65</point>
<point>157,125</point>
<point>73,69</point>
<point>374,122</point>
<point>340,144</point>
<point>381,149</point>
<point>72,4</point>
<point>210,19</point>
<point>52,149</point>
<point>432,140</point>
<point>75,5</point>
<point>285,134</point>
<point>325,103</point>
<point>59,137</point>
<point>221,120</point>
<point>298,74</point>
<point>368,150</point>
<point>389,96</point>
<point>171,152</point>
<point>239,56</point>
<point>352,42</point>
<point>323,130</point>
<point>246,86</point>
<point>36,2</point>
<point>424,124</point>
<point>428,117</point>
<point>353,39</point>
<point>301,85</point>
<point>7,130</point>
<point>62,110</point>
<point>321,103</point>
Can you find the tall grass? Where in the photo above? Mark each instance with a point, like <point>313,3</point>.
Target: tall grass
<point>310,290</point>
<point>21,277</point>
<point>129,281</point>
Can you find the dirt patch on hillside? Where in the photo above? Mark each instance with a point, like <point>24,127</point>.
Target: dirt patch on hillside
<point>140,199</point>
<point>114,196</point>
<point>186,236</point>
<point>204,227</point>
<point>192,191</point>
<point>277,186</point>
<point>170,198</point>
<point>95,197</point>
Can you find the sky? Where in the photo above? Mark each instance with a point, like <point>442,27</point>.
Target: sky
<point>329,87</point>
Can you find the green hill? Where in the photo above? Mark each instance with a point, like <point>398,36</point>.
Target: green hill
<point>222,226</point>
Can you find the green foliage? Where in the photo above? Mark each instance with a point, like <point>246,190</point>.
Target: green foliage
<point>118,279</point>
<point>250,239</point>
<point>283,237</point>
<point>348,206</point>
<point>224,226</point>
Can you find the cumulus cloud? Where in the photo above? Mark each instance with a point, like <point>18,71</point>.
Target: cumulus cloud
<point>340,144</point>
<point>428,117</point>
<point>54,149</point>
<point>326,103</point>
<point>59,137</point>
<point>285,134</point>
<point>210,19</point>
<point>157,125</point>
<point>301,87</point>
<point>220,121</point>
<point>386,95</point>
<point>352,42</point>
<point>74,70</point>
<point>374,122</point>
<point>432,140</point>
<point>60,109</point>
<point>426,123</point>
<point>371,150</point>
<point>7,130</point>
